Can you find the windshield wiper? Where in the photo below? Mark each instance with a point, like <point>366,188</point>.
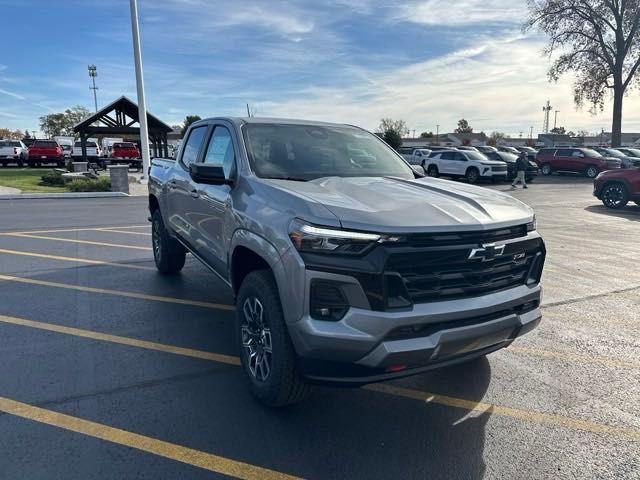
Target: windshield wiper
<point>293,179</point>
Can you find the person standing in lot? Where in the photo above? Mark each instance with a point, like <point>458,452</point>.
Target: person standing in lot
<point>521,168</point>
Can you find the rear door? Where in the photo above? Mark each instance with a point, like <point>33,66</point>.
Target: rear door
<point>562,159</point>
<point>215,225</point>
<point>181,191</point>
<point>459,163</point>
<point>446,163</point>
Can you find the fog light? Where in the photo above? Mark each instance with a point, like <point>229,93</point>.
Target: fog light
<point>327,301</point>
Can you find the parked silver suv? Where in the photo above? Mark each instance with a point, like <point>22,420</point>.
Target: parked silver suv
<point>347,265</point>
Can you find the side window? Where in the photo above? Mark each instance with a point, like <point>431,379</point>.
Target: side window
<point>193,145</point>
<point>220,151</point>
<point>563,152</point>
<point>460,157</point>
<point>577,153</point>
<point>446,156</point>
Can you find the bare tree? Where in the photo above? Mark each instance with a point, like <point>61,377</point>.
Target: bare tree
<point>495,137</point>
<point>398,126</point>
<point>597,40</point>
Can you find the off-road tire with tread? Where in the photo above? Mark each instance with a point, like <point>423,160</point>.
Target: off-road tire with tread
<point>168,254</point>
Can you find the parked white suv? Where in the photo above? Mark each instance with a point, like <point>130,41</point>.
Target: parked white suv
<point>464,163</point>
<point>12,151</point>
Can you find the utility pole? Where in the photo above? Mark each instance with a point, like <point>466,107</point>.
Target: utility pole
<point>531,136</point>
<point>547,110</point>
<point>93,73</point>
<point>438,134</point>
<point>555,119</point>
<point>248,112</point>
<point>142,105</point>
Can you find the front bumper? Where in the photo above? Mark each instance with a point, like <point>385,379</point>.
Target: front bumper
<point>364,346</point>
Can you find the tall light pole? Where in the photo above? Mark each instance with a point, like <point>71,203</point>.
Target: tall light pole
<point>142,105</point>
<point>555,119</point>
<point>93,73</point>
<point>438,134</point>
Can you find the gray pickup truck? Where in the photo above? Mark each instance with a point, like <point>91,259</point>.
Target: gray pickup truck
<point>347,265</point>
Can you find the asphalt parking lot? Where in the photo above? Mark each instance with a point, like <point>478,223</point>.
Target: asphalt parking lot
<point>110,370</point>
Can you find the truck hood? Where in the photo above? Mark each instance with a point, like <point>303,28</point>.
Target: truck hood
<point>384,204</point>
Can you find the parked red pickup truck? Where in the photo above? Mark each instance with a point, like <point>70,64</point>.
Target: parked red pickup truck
<point>577,160</point>
<point>124,150</point>
<point>616,187</point>
<point>45,151</point>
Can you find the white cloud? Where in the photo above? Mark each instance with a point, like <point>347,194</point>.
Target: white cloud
<point>463,12</point>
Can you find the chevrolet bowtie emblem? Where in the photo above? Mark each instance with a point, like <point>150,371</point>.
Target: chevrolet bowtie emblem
<point>489,251</point>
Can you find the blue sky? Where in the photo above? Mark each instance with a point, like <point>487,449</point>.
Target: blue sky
<point>353,61</point>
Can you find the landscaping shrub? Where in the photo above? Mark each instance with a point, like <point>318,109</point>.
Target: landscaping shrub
<point>99,185</point>
<point>52,179</point>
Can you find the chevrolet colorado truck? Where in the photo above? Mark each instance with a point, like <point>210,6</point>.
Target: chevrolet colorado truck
<point>347,265</point>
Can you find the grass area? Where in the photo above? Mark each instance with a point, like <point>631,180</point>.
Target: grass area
<point>27,179</point>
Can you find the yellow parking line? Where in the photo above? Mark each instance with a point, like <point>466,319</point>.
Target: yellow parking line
<point>79,229</point>
<point>161,448</point>
<point>133,342</point>
<point>573,357</point>
<point>72,240</point>
<point>74,259</point>
<point>119,293</point>
<point>469,405</point>
<point>528,415</point>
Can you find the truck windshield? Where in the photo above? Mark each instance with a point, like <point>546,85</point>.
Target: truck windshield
<point>307,152</point>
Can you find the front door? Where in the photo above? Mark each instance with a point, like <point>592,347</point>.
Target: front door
<point>212,218</point>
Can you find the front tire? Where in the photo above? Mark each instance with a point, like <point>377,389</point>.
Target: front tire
<point>266,353</point>
<point>591,171</point>
<point>472,175</point>
<point>168,254</point>
<point>546,169</point>
<point>615,196</point>
<point>432,171</point>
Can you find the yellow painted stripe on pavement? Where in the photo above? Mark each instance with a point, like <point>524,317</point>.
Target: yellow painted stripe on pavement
<point>73,240</point>
<point>75,259</point>
<point>469,405</point>
<point>189,456</point>
<point>133,342</point>
<point>119,293</point>
<point>528,415</point>
<point>573,357</point>
<point>77,229</point>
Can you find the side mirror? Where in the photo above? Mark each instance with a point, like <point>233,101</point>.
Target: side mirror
<point>419,169</point>
<point>208,174</point>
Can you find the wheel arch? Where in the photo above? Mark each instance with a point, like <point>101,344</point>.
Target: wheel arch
<point>249,252</point>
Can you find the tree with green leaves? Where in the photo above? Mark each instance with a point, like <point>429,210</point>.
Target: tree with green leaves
<point>428,134</point>
<point>463,127</point>
<point>596,40</point>
<point>62,123</point>
<point>188,120</point>
<point>393,138</point>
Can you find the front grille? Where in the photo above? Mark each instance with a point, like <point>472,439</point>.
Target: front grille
<point>466,238</point>
<point>448,273</point>
<point>499,169</point>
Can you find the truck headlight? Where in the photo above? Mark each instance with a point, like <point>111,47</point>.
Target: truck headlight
<point>309,238</point>
<point>533,225</point>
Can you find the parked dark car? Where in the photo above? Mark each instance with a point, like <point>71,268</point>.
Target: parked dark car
<point>486,148</point>
<point>45,151</point>
<point>616,187</point>
<point>507,149</point>
<point>576,160</point>
<point>630,152</point>
<point>626,160</point>
<point>531,152</point>
<point>510,160</point>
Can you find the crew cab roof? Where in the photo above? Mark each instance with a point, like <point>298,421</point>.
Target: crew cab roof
<point>239,121</point>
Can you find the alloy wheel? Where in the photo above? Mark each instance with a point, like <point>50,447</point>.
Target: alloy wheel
<point>613,196</point>
<point>256,339</point>
<point>155,239</point>
<point>592,172</point>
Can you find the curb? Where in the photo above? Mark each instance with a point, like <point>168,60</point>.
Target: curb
<point>51,196</point>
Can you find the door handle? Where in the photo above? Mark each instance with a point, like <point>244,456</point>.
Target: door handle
<point>195,194</point>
